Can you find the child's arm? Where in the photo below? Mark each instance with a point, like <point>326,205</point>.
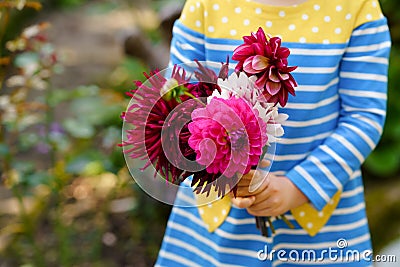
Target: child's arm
<point>363,94</point>
<point>187,44</point>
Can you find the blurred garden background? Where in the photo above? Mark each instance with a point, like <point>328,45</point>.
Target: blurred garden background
<point>66,196</point>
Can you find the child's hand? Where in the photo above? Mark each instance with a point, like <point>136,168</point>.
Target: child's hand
<point>275,196</point>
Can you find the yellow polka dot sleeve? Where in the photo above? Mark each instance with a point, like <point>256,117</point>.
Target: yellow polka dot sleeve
<point>314,21</point>
<point>369,11</point>
<point>193,14</point>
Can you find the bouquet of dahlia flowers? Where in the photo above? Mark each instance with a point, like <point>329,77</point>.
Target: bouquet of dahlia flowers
<point>211,127</point>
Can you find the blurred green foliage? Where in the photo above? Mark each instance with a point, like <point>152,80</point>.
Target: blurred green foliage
<point>66,196</point>
<point>384,162</point>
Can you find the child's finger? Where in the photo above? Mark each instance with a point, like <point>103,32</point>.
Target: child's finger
<point>265,163</point>
<point>243,202</point>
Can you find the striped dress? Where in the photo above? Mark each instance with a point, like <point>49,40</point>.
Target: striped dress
<point>341,48</point>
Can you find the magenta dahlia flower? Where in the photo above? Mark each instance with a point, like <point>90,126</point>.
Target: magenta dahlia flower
<point>227,136</point>
<point>266,59</point>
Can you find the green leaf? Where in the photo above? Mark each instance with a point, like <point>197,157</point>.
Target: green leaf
<point>28,140</point>
<point>25,59</point>
<point>383,162</point>
<point>88,163</point>
<point>57,96</point>
<point>95,110</point>
<point>111,137</point>
<point>79,128</point>
<point>37,178</point>
<point>4,150</point>
<point>82,91</point>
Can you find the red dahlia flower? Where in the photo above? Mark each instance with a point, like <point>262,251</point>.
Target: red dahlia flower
<point>266,59</point>
<point>147,115</point>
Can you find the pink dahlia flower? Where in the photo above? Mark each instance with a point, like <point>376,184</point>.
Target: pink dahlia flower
<point>266,59</point>
<point>227,136</point>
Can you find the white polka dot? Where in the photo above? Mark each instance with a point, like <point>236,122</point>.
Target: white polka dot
<point>209,205</point>
<point>339,8</point>
<point>302,213</point>
<point>198,4</point>
<point>282,13</point>
<point>348,16</point>
<point>183,17</point>
<point>374,4</point>
<point>369,17</point>
<point>320,214</point>
<point>198,23</point>
<point>309,225</point>
<point>331,202</point>
<point>258,10</point>
<point>205,14</point>
<point>191,8</point>
<point>224,19</point>
<point>201,211</point>
<point>327,18</point>
<point>211,28</point>
<point>326,41</point>
<point>216,7</point>
<point>268,24</point>
<point>317,7</point>
<point>238,10</point>
<point>246,22</point>
<point>338,30</point>
<point>292,27</point>
<point>315,29</point>
<point>302,40</point>
<point>215,219</point>
<point>304,17</point>
<point>233,32</point>
<point>224,212</point>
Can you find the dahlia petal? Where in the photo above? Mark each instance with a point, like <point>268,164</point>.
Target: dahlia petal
<point>247,66</point>
<point>242,51</point>
<point>258,48</point>
<point>290,69</point>
<point>273,74</point>
<point>261,81</point>
<point>249,39</point>
<point>273,87</point>
<point>275,43</point>
<point>283,76</point>
<point>283,52</point>
<point>259,63</point>
<point>261,36</point>
<point>283,98</point>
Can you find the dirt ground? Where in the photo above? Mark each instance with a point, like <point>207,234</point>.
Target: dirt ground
<point>91,44</point>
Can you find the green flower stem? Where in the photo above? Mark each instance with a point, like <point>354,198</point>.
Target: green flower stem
<point>283,218</point>
<point>271,226</point>
<point>193,97</point>
<point>29,228</point>
<point>49,121</point>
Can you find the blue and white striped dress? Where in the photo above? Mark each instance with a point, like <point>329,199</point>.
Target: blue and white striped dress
<point>341,48</point>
